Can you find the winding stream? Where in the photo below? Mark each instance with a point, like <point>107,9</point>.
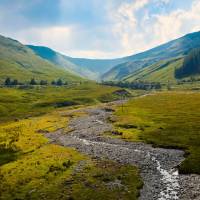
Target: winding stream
<point>157,166</point>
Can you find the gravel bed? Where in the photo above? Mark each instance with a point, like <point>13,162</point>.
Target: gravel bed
<point>158,167</point>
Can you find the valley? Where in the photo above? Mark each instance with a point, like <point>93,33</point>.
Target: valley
<point>78,128</point>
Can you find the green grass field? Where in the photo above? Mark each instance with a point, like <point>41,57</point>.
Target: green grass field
<point>33,168</point>
<point>169,119</point>
<point>18,103</point>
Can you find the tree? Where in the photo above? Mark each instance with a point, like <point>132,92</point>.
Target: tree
<point>59,82</point>
<point>191,65</point>
<point>7,82</point>
<point>43,82</point>
<point>15,82</point>
<point>33,82</point>
<point>53,83</point>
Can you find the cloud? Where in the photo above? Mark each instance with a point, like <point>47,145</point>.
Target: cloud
<point>177,23</point>
<point>97,28</point>
<point>139,34</point>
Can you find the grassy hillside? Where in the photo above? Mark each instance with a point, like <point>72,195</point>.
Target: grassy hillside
<point>19,62</point>
<point>63,62</point>
<point>172,49</point>
<point>162,71</point>
<point>88,68</point>
<point>165,119</point>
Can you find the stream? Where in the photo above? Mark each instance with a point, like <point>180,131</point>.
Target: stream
<point>158,166</point>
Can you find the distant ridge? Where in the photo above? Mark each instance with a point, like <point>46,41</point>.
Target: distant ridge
<point>174,49</point>
<point>17,61</point>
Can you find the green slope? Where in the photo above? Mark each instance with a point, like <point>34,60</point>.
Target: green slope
<point>172,49</point>
<point>88,68</point>
<point>162,71</point>
<point>63,61</point>
<point>19,62</point>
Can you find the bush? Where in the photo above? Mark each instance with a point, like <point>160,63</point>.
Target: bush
<point>33,82</point>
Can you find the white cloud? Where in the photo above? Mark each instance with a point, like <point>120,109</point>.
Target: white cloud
<point>177,23</point>
<point>136,35</point>
<point>130,28</point>
<point>57,37</point>
<point>126,25</point>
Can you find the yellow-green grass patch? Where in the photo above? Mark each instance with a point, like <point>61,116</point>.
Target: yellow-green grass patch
<point>169,119</point>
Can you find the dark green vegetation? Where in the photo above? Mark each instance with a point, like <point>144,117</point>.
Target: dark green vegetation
<point>19,62</point>
<point>35,100</point>
<point>10,83</point>
<point>191,65</point>
<point>169,120</point>
<point>135,85</point>
<point>154,59</point>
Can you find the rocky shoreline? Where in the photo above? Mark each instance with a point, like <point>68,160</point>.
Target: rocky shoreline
<point>157,166</point>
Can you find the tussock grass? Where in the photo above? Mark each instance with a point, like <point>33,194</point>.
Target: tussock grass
<point>41,170</point>
<point>169,119</point>
<point>33,168</point>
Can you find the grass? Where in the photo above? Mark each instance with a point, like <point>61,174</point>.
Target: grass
<point>18,103</point>
<point>167,119</point>
<point>19,62</point>
<point>106,180</point>
<point>40,170</point>
<point>162,71</point>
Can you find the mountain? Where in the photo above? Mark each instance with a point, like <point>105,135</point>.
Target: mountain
<point>17,61</point>
<point>162,71</point>
<point>88,68</point>
<point>62,61</point>
<point>174,49</point>
<point>97,66</point>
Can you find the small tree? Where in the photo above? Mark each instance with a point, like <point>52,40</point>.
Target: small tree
<point>33,82</point>
<point>15,82</point>
<point>43,82</point>
<point>53,83</point>
<point>59,82</point>
<point>7,82</point>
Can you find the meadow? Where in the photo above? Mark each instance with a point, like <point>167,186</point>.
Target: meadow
<point>18,103</point>
<point>31,167</point>
<point>37,169</point>
<point>166,119</point>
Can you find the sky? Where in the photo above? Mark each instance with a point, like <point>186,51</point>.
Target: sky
<point>98,28</point>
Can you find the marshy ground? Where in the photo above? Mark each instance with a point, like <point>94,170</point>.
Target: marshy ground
<point>158,167</point>
<point>111,159</point>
